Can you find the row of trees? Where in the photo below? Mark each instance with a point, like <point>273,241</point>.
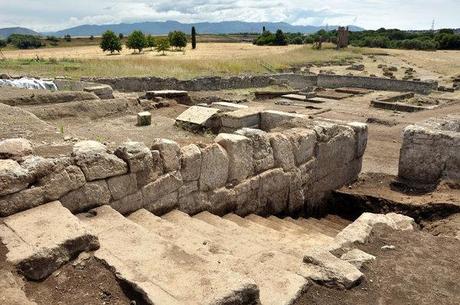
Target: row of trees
<point>445,39</point>
<point>137,40</point>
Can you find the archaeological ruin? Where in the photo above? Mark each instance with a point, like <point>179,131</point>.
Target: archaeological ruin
<point>221,191</point>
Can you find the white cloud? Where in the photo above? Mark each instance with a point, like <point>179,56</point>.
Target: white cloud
<point>47,15</point>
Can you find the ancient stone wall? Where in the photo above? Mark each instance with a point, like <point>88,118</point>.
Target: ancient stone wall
<point>375,83</point>
<point>249,171</point>
<point>431,151</point>
<point>205,83</point>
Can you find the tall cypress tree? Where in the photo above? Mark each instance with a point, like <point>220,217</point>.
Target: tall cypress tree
<point>193,38</point>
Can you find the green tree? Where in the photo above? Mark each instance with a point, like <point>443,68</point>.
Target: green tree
<point>68,38</point>
<point>3,43</point>
<point>91,37</point>
<point>162,45</point>
<point>24,41</point>
<point>193,38</point>
<point>121,36</point>
<point>110,42</point>
<point>280,38</point>
<point>177,39</point>
<point>150,41</point>
<point>136,41</point>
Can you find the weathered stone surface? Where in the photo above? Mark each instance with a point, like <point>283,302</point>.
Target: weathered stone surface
<point>240,118</point>
<point>12,293</point>
<point>303,143</point>
<point>161,187</point>
<point>122,186</point>
<point>59,183</point>
<point>95,161</point>
<point>430,151</point>
<point>136,154</point>
<point>144,118</point>
<point>187,188</point>
<point>262,150</point>
<point>163,205</point>
<point>197,115</point>
<point>190,162</point>
<point>194,203</point>
<point>214,167</point>
<point>102,91</point>
<point>271,118</point>
<point>42,239</point>
<point>13,177</point>
<point>357,257</point>
<point>91,195</point>
<point>129,204</point>
<point>153,168</point>
<point>247,196</point>
<point>39,167</point>
<point>15,148</point>
<point>282,151</point>
<point>239,151</point>
<point>274,191</point>
<point>361,228</point>
<point>361,134</point>
<point>222,201</point>
<point>169,152</point>
<point>331,270</point>
<point>20,201</point>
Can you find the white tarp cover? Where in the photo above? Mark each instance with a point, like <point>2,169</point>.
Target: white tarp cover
<point>28,83</point>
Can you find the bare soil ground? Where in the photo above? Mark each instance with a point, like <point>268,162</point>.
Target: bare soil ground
<point>422,269</point>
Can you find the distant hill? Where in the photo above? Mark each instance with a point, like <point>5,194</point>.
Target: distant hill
<point>159,28</point>
<point>5,32</point>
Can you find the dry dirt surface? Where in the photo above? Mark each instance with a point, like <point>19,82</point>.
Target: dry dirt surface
<point>422,269</point>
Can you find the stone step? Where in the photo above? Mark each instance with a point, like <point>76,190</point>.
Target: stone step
<point>298,234</point>
<point>320,265</point>
<point>339,220</point>
<point>311,222</point>
<point>332,224</point>
<point>305,226</point>
<point>277,286</point>
<point>165,273</point>
<point>287,225</point>
<point>242,242</point>
<point>42,239</point>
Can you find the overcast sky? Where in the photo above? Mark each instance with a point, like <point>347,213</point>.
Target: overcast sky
<point>48,15</point>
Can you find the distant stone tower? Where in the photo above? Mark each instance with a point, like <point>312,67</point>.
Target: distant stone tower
<point>342,37</point>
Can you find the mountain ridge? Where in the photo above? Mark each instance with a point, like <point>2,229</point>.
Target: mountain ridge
<point>164,27</point>
<point>5,32</point>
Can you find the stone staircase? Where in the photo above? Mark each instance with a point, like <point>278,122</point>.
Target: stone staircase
<point>183,259</point>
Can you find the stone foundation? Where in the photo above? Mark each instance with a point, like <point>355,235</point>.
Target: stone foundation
<point>287,170</point>
<point>431,151</point>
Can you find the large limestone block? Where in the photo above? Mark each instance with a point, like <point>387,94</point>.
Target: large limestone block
<point>15,148</point>
<point>190,162</point>
<point>357,257</point>
<point>303,142</point>
<point>13,177</point>
<point>262,150</point>
<point>336,152</point>
<point>214,167</point>
<point>102,91</point>
<point>42,239</point>
<point>122,186</point>
<point>282,151</point>
<point>270,119</point>
<point>129,204</point>
<point>136,154</point>
<point>361,134</point>
<point>163,205</point>
<point>194,203</point>
<point>161,187</point>
<point>222,201</point>
<point>239,152</point>
<point>274,191</point>
<point>96,162</point>
<point>169,152</point>
<point>359,230</point>
<point>247,197</point>
<point>20,201</point>
<point>92,194</point>
<point>59,183</point>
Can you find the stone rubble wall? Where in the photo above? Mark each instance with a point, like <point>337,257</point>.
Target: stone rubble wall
<point>375,83</point>
<point>431,151</point>
<point>294,80</point>
<point>249,171</point>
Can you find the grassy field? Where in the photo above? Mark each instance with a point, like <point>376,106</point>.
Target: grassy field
<point>207,59</point>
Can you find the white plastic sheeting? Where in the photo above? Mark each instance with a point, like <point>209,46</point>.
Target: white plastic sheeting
<point>28,83</point>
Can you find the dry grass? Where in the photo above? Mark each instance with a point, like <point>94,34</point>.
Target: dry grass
<point>208,59</point>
